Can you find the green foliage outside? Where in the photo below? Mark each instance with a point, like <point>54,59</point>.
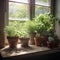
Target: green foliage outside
<point>21,11</point>
<point>17,10</point>
<point>43,0</point>
<point>41,10</point>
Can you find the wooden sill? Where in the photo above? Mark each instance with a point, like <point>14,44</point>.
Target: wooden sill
<point>32,50</point>
<point>6,52</point>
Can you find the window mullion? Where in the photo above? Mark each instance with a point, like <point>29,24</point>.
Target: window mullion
<point>53,7</point>
<point>32,9</point>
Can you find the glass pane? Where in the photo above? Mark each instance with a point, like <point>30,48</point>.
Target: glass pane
<point>19,0</point>
<point>43,2</point>
<point>18,11</point>
<point>41,7</point>
<point>41,10</point>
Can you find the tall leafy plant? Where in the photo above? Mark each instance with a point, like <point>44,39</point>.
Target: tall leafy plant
<point>45,24</point>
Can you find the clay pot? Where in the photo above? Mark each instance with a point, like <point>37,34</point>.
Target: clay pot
<point>50,44</point>
<point>37,41</point>
<point>31,41</point>
<point>24,42</point>
<point>41,41</point>
<point>44,40</point>
<point>12,42</point>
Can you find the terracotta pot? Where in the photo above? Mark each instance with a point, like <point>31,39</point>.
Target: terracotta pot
<point>37,41</point>
<point>24,42</point>
<point>51,44</point>
<point>41,41</point>
<point>44,40</point>
<point>12,42</point>
<point>31,41</point>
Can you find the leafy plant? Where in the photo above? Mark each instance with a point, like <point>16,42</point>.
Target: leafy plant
<point>24,34</point>
<point>45,24</point>
<point>11,31</point>
<point>31,26</point>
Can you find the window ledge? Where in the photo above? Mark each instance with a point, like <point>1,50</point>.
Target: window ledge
<point>26,52</point>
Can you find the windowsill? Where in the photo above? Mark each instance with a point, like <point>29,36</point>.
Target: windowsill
<point>6,52</point>
<point>31,51</point>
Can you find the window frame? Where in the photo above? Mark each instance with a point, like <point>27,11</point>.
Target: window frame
<point>31,7</point>
<point>53,10</point>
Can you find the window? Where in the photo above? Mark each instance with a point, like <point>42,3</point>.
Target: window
<point>18,10</point>
<point>41,7</point>
<point>16,14</point>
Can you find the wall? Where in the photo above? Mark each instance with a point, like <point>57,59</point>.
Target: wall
<point>58,8</point>
<point>3,19</point>
<point>58,16</point>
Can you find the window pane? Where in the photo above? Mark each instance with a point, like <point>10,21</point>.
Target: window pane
<point>41,10</point>
<point>41,7</point>
<point>43,2</point>
<point>18,11</point>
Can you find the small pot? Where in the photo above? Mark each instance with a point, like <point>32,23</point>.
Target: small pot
<point>12,42</point>
<point>24,42</point>
<point>50,44</point>
<point>37,41</point>
<point>41,41</point>
<point>31,41</point>
<point>44,40</point>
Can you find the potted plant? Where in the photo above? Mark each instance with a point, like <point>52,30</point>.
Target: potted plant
<point>24,38</point>
<point>44,24</point>
<point>31,30</point>
<point>12,36</point>
<point>41,31</point>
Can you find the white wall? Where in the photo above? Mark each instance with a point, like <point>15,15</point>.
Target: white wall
<point>58,16</point>
<point>57,29</point>
<point>58,9</point>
